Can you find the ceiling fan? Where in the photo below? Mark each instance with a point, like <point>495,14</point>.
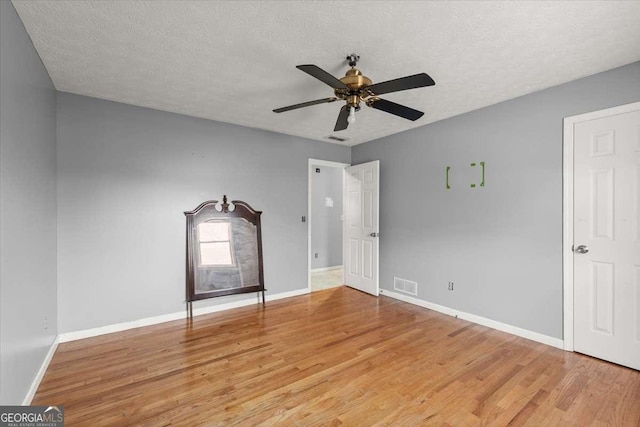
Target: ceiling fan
<point>355,87</point>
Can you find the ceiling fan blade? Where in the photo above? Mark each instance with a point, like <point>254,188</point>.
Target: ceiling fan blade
<point>342,123</point>
<point>403,83</point>
<point>396,109</point>
<point>304,104</point>
<point>322,75</point>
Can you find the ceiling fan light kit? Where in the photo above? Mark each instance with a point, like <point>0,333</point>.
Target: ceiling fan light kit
<point>355,88</point>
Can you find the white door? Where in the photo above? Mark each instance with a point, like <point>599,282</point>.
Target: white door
<point>607,238</point>
<point>361,227</point>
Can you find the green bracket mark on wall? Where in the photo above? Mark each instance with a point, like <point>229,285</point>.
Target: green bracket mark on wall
<point>481,183</point>
<point>473,185</point>
<point>448,169</point>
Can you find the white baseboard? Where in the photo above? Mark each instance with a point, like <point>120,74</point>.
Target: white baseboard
<point>118,327</point>
<point>321,269</point>
<point>43,368</point>
<point>288,294</point>
<point>513,330</point>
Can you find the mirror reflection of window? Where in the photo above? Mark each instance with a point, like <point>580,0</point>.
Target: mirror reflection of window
<point>214,239</point>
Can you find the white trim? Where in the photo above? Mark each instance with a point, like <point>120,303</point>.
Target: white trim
<point>510,329</point>
<point>567,234</point>
<point>118,327</point>
<point>43,369</point>
<point>607,112</point>
<point>567,209</point>
<point>322,269</point>
<point>326,163</point>
<point>287,294</point>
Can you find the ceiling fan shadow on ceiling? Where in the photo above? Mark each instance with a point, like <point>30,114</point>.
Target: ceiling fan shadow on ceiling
<point>355,88</point>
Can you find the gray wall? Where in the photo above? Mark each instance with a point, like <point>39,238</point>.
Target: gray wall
<point>501,245</point>
<point>326,221</point>
<point>125,176</point>
<point>27,209</point>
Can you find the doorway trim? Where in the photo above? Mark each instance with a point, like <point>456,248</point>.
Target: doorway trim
<point>330,164</point>
<point>567,210</point>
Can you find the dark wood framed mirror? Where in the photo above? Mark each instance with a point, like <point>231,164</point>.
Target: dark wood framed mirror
<point>224,251</point>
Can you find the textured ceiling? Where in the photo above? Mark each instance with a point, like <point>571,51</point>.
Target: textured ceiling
<point>234,61</point>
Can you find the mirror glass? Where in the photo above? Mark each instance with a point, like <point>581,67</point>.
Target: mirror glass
<point>227,255</point>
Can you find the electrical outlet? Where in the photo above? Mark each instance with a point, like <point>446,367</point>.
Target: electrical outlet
<point>46,323</point>
<point>450,286</point>
<point>315,255</point>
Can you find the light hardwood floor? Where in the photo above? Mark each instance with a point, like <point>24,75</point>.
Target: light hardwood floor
<point>333,357</point>
<point>321,280</point>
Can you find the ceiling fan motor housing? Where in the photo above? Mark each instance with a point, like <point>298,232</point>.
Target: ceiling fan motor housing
<point>355,81</point>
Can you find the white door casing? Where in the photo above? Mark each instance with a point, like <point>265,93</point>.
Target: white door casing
<point>606,220</point>
<point>362,184</point>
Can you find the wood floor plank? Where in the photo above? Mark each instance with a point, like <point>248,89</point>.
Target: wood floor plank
<point>336,357</point>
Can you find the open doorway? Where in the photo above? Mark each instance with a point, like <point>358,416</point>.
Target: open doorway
<point>325,225</point>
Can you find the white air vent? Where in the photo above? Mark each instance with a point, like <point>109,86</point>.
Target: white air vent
<point>406,286</point>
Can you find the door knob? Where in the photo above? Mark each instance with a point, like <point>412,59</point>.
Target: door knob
<point>582,249</point>
<point>374,234</point>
